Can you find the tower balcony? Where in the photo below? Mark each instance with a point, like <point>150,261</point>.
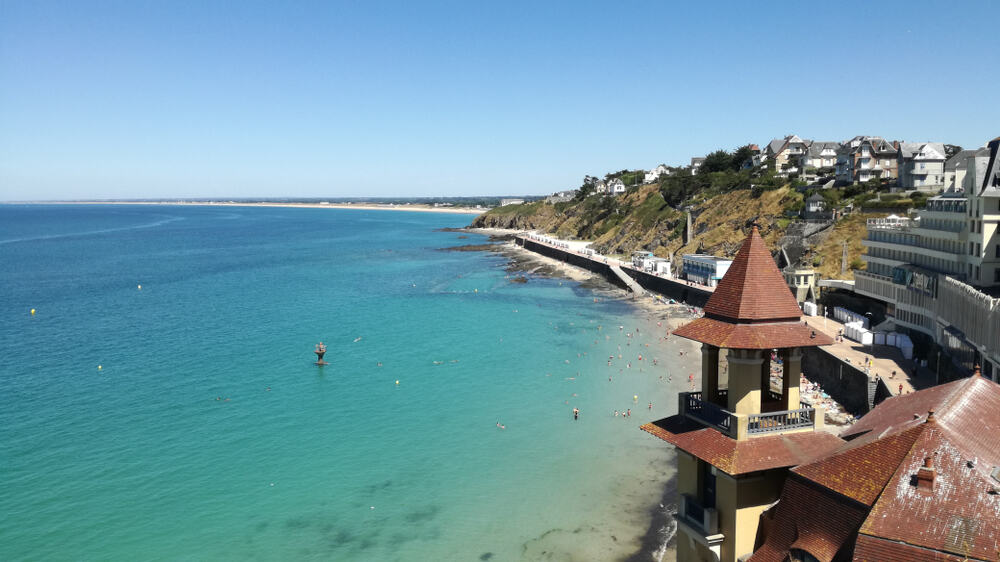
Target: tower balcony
<point>742,426</point>
<point>703,519</point>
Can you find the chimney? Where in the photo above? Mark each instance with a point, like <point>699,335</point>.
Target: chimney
<point>976,371</point>
<point>930,417</point>
<point>925,476</point>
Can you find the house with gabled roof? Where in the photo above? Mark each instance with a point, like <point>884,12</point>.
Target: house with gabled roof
<point>819,155</point>
<point>783,155</point>
<point>956,167</point>
<point>917,478</point>
<point>921,166</point>
<point>864,158</point>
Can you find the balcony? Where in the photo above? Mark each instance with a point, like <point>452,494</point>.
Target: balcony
<point>739,426</point>
<point>700,523</point>
<point>703,519</point>
<point>780,421</point>
<point>709,413</point>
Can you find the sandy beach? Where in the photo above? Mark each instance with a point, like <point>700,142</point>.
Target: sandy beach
<point>359,206</point>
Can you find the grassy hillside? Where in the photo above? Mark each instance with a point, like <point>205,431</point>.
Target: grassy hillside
<point>642,220</point>
<point>826,256</point>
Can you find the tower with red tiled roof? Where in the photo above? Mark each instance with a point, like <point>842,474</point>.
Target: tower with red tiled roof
<point>736,443</point>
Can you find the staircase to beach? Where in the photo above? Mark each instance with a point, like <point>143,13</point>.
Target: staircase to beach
<point>632,284</point>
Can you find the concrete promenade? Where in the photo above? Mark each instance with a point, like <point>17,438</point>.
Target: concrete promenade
<point>885,358</point>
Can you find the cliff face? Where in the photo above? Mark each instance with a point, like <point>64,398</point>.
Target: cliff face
<point>642,220</point>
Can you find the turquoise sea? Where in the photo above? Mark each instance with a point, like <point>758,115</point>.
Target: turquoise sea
<point>185,420</point>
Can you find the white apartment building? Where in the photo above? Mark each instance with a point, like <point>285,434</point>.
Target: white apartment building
<point>921,166</point>
<point>938,273</point>
<point>705,269</point>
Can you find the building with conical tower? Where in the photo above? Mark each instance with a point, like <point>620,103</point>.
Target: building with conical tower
<point>738,437</point>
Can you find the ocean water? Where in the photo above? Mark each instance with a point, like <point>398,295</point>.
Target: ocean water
<point>185,420</point>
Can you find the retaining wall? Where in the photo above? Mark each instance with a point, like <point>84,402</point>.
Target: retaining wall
<point>844,382</point>
<point>672,288</point>
<point>571,258</point>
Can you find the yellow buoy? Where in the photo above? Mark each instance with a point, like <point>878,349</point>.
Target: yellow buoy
<point>32,311</point>
<point>635,397</point>
<point>140,287</point>
<point>99,367</point>
<point>397,383</point>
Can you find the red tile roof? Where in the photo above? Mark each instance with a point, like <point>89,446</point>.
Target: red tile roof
<point>753,289</point>
<point>873,549</point>
<point>862,471</point>
<point>740,457</point>
<point>794,525</point>
<point>752,336</point>
<point>876,469</point>
<point>752,307</point>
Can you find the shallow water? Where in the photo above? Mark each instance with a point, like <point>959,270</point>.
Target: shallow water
<point>208,433</point>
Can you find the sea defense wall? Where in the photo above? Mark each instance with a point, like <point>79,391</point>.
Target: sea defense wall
<point>675,289</point>
<point>671,288</point>
<point>844,382</point>
<point>598,267</point>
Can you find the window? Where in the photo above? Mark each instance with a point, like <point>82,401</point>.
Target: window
<point>997,251</point>
<point>996,275</point>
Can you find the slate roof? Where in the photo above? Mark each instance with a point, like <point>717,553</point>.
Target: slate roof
<point>740,457</point>
<point>875,470</point>
<point>817,147</point>
<point>752,306</point>
<point>991,181</point>
<point>932,150</point>
<point>959,160</point>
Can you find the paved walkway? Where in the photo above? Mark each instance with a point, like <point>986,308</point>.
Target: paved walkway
<point>885,359</point>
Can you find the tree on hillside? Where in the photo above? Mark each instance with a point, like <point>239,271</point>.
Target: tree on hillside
<point>718,161</point>
<point>951,150</point>
<point>742,157</point>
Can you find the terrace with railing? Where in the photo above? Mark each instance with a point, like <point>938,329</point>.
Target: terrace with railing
<point>731,424</point>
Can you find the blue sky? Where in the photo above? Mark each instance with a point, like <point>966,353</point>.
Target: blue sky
<point>242,99</point>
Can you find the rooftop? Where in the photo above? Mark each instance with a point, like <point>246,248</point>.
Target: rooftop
<point>915,475</point>
<point>742,456</point>
<point>752,306</point>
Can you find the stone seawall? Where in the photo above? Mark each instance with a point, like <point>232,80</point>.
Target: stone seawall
<point>844,382</point>
<point>672,288</point>
<point>598,267</point>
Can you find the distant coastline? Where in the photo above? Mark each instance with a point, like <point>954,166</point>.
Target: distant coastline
<point>416,207</point>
